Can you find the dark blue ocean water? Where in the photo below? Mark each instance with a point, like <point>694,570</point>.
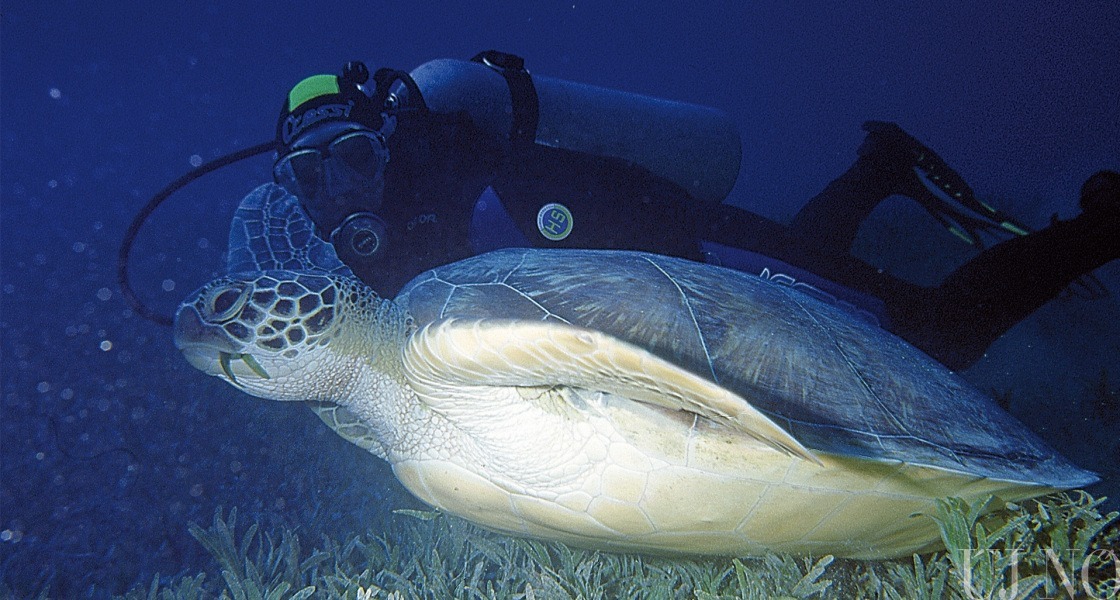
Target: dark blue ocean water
<point>111,443</point>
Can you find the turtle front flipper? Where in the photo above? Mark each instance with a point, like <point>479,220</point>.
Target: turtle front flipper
<point>348,425</point>
<point>448,354</point>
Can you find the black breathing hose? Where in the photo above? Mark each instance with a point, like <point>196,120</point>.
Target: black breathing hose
<point>130,236</point>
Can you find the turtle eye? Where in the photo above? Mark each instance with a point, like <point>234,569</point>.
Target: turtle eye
<point>224,302</point>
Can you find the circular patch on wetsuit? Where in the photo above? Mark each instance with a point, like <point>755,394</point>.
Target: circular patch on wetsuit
<point>554,221</point>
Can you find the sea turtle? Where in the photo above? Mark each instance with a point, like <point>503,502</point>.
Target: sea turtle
<point>611,399</point>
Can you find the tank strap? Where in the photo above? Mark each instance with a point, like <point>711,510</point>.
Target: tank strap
<point>522,92</point>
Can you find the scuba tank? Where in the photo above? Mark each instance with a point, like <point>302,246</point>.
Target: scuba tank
<point>696,147</point>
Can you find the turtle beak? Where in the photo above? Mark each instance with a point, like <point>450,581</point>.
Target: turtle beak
<point>200,342</point>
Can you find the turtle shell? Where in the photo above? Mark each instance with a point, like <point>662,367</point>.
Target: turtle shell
<point>837,382</point>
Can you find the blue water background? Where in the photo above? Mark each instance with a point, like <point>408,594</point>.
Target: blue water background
<point>111,444</point>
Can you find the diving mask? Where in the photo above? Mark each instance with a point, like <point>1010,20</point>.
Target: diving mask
<point>336,178</point>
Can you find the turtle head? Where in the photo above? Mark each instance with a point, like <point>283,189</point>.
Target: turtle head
<point>279,335</point>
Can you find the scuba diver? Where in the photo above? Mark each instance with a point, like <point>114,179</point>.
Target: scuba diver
<point>402,172</point>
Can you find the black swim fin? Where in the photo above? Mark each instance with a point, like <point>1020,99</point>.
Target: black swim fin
<point>942,192</point>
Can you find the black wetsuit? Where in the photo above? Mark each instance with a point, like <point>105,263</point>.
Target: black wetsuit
<point>440,164</point>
